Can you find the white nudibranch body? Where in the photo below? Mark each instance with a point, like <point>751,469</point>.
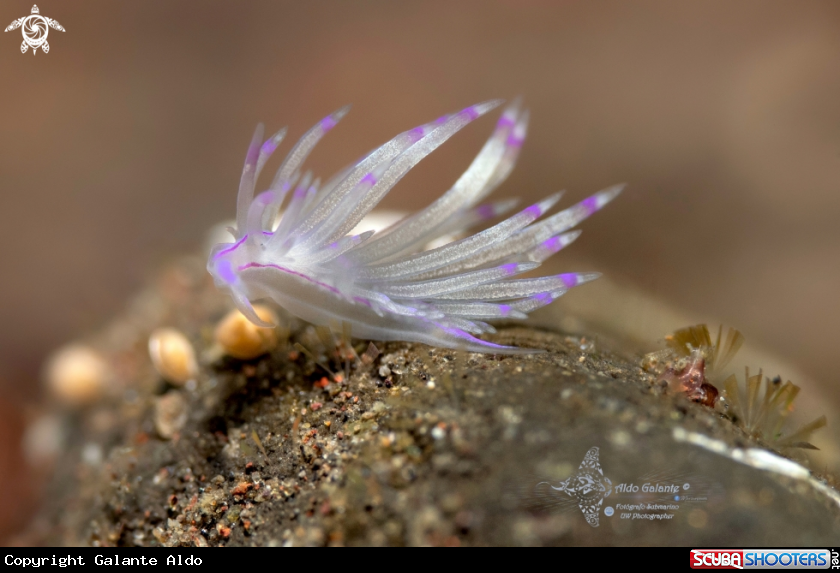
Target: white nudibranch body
<point>387,286</point>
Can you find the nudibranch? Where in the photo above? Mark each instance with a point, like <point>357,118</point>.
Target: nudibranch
<point>389,285</point>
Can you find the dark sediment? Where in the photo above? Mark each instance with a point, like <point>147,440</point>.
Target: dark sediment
<point>421,446</point>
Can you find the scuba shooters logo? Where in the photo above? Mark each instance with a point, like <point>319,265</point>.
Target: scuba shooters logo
<point>762,559</point>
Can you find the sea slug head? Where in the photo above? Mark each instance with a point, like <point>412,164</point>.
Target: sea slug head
<point>225,264</point>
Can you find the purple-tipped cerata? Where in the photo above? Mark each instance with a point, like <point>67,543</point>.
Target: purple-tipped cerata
<point>388,285</point>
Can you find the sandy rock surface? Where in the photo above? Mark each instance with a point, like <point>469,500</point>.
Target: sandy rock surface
<point>418,446</point>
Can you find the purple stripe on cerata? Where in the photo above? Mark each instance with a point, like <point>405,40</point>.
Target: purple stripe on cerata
<point>471,113</point>
<point>458,332</point>
<point>509,268</point>
<point>291,272</point>
<point>328,123</point>
<point>505,309</point>
<point>232,248</point>
<point>568,279</point>
<point>268,147</point>
<point>590,203</point>
<point>441,119</point>
<point>485,211</point>
<point>505,121</point>
<point>552,244</point>
<point>514,141</point>
<point>466,335</point>
<point>533,211</point>
<point>369,179</point>
<point>543,297</point>
<point>363,301</point>
<point>416,134</point>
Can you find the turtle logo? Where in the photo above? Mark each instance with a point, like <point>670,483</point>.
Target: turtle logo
<point>35,30</point>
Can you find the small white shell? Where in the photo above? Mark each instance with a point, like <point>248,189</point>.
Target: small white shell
<point>76,375</point>
<point>43,440</point>
<point>173,356</point>
<point>242,339</point>
<point>170,414</point>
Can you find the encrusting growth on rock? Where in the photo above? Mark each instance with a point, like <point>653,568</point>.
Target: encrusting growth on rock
<point>691,364</point>
<point>765,417</point>
<point>683,365</point>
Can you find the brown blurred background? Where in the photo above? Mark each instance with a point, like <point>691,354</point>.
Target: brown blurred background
<point>123,144</point>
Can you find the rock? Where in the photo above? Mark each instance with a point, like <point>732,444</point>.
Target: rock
<point>461,449</point>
